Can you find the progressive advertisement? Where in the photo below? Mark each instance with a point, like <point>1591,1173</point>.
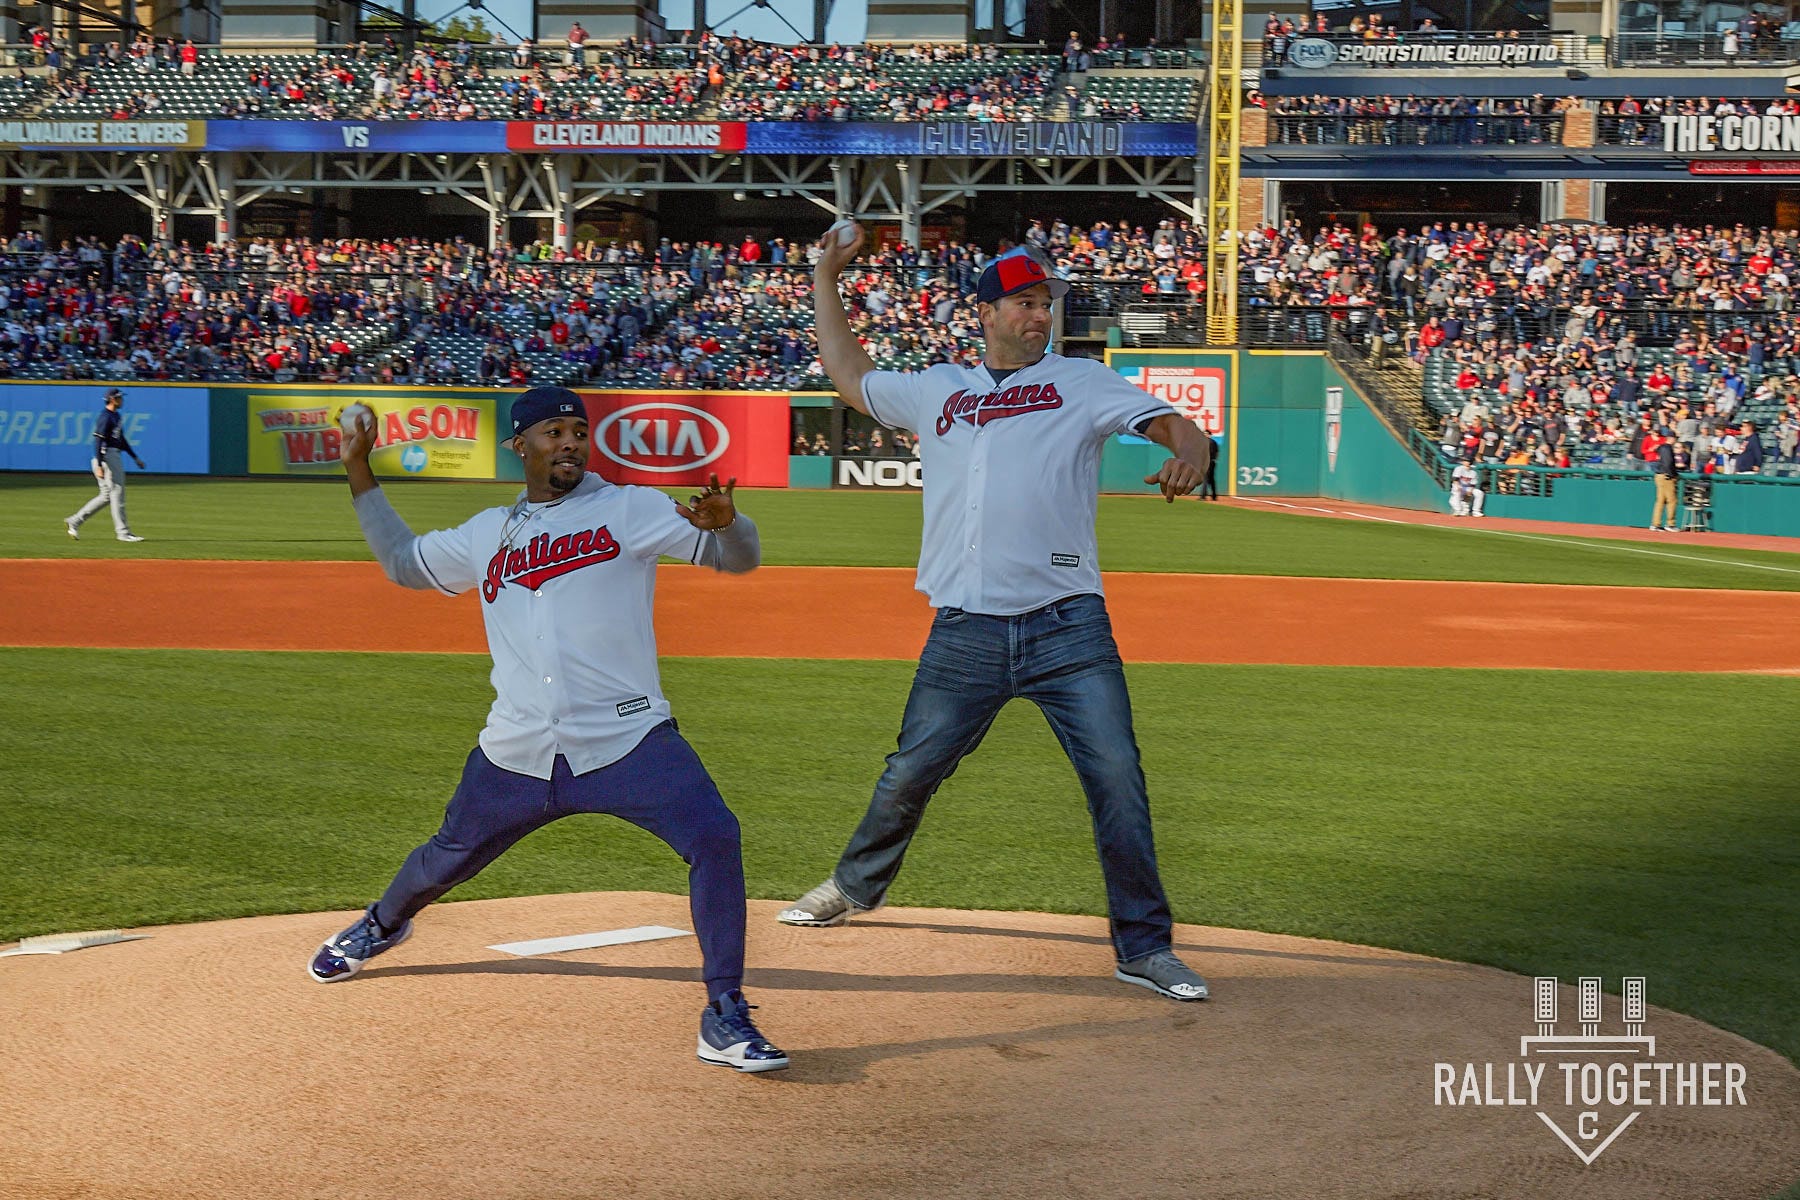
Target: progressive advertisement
<point>50,427</point>
<point>447,436</point>
<point>678,439</point>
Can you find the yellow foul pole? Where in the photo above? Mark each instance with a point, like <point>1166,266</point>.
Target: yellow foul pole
<point>1223,147</point>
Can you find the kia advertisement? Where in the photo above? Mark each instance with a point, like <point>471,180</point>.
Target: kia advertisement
<point>677,439</point>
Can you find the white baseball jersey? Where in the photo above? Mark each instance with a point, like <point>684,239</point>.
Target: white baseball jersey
<point>1012,475</point>
<point>567,596</point>
<point>1464,476</point>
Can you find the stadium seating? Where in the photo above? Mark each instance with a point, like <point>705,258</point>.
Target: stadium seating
<point>1143,97</point>
<point>20,94</point>
<point>143,88</point>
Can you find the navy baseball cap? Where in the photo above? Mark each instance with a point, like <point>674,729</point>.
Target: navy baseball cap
<point>1015,272</point>
<point>543,404</point>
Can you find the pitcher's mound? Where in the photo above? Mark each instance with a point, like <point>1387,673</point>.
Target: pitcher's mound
<point>936,1054</point>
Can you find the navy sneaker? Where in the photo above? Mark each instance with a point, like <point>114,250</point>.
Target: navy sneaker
<point>729,1038</point>
<point>344,955</point>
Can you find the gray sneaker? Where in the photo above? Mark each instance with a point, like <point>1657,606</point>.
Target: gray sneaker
<point>1163,974</point>
<point>824,905</point>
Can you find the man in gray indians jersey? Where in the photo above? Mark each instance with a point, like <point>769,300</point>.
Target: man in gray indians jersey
<point>1010,452</point>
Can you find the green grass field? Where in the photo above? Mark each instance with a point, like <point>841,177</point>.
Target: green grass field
<point>1545,822</point>
<point>237,519</point>
<point>1558,823</point>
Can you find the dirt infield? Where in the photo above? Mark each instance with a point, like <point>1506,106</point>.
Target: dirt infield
<point>875,613</point>
<point>968,1054</point>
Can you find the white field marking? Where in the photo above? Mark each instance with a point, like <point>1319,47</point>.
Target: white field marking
<point>1563,540</point>
<point>587,941</point>
<point>62,943</point>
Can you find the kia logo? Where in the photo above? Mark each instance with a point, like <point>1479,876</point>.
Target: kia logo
<point>1312,53</point>
<point>664,438</point>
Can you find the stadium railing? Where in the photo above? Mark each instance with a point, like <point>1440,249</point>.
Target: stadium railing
<point>1704,50</point>
<point>1472,129</point>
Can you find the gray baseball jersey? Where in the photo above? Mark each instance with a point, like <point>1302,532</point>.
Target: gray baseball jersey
<point>1012,475</point>
<point>568,597</point>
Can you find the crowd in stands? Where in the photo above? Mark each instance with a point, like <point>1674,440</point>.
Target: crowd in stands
<point>732,78</point>
<point>1559,343</point>
<point>1566,340</point>
<point>1415,120</point>
<point>410,311</point>
<point>799,83</point>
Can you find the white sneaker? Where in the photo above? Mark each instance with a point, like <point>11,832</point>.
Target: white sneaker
<point>824,905</point>
<point>72,529</point>
<point>130,537</point>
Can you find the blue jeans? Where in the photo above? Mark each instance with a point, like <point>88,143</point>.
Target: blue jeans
<point>1062,658</point>
<point>661,787</point>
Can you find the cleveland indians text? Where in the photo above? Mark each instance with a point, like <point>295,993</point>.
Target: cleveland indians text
<point>973,408</point>
<point>542,559</point>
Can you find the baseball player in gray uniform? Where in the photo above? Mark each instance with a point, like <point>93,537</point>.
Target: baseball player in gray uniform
<point>110,448</point>
<point>1010,452</point>
<point>579,723</point>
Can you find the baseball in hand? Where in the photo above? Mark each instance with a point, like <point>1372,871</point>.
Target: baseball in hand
<point>845,230</point>
<point>355,415</point>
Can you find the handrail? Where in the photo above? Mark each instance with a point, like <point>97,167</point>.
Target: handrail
<point>1416,129</point>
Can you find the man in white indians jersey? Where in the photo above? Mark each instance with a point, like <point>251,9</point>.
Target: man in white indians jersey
<point>579,723</point>
<point>1010,455</point>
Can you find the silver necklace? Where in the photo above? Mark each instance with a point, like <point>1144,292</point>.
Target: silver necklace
<point>520,516</point>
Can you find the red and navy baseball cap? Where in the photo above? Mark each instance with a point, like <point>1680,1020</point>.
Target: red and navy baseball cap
<point>544,404</point>
<point>1015,272</point>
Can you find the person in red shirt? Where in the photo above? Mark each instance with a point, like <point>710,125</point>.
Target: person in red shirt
<point>750,251</point>
<point>559,332</point>
<point>190,58</point>
<point>1432,336</point>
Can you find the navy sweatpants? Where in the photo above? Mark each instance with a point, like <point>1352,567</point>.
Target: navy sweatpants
<point>660,787</point>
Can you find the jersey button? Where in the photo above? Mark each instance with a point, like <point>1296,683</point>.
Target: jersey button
<point>538,593</point>
<point>556,720</point>
<point>546,679</point>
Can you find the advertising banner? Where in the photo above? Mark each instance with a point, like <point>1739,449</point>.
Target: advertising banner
<point>104,135</point>
<point>677,439</point>
<point>978,139</point>
<point>625,137</point>
<point>1318,53</point>
<point>50,427</point>
<point>338,137</point>
<point>1739,166</point>
<point>960,139</point>
<point>877,474</point>
<point>443,436</point>
<point>1733,133</point>
<point>1197,393</point>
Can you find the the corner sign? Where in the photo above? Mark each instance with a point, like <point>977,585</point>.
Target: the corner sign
<point>1707,133</point>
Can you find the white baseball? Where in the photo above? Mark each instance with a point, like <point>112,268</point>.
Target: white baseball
<point>354,415</point>
<point>845,230</point>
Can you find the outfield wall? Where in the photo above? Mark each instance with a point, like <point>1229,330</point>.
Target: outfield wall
<point>1288,424</point>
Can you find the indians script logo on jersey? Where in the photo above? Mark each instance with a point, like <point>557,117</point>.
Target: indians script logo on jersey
<point>977,408</point>
<point>541,559</point>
